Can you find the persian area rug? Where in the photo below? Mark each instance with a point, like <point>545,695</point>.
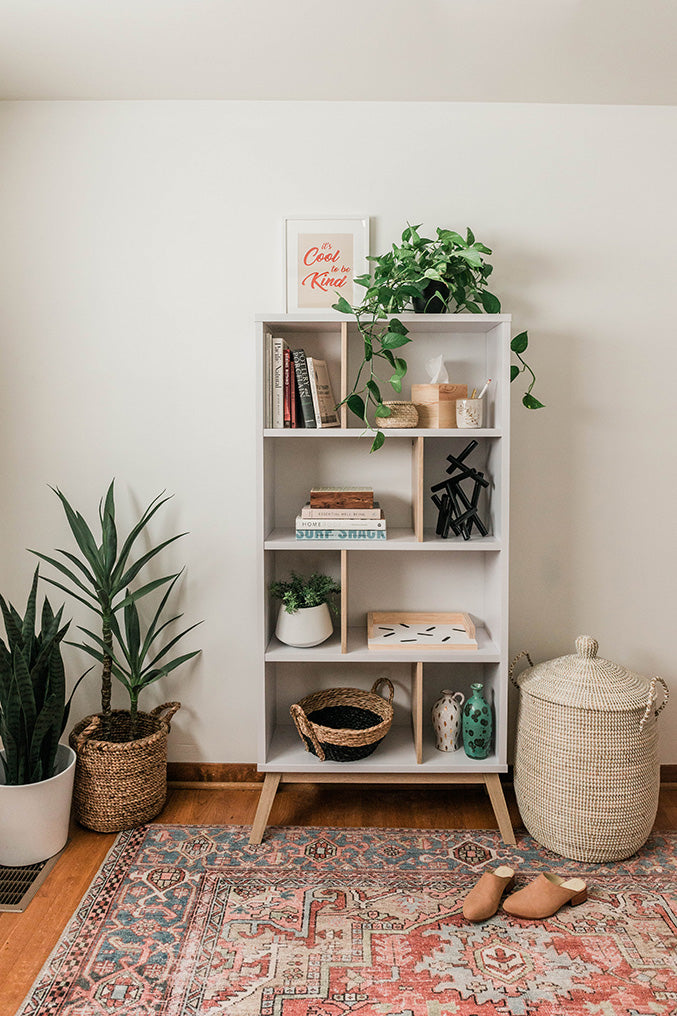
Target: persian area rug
<point>187,921</point>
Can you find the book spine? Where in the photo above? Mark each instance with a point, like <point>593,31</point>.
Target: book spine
<point>341,534</point>
<point>287,403</point>
<point>267,380</point>
<point>354,501</point>
<point>303,387</point>
<point>278,383</point>
<point>328,417</point>
<point>334,523</point>
<point>342,513</point>
<point>313,390</point>
<point>292,392</point>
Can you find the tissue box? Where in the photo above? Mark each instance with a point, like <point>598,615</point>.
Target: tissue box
<point>436,404</point>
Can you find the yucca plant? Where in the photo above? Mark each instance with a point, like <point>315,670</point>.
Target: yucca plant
<point>33,706</point>
<point>100,577</point>
<point>134,657</point>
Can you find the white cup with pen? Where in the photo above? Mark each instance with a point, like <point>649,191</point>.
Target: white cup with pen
<point>470,412</point>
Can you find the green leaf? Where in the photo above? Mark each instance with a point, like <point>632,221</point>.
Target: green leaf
<point>69,574</point>
<point>383,411</point>
<point>342,305</point>
<point>470,236</point>
<point>173,642</point>
<point>356,406</point>
<point>514,372</point>
<point>144,590</point>
<point>397,326</point>
<point>491,303</point>
<point>520,342</point>
<point>374,390</point>
<point>378,441</point>
<point>28,628</point>
<point>132,572</point>
<point>393,340</point>
<point>132,629</point>
<point>532,403</point>
<point>153,507</point>
<point>396,383</point>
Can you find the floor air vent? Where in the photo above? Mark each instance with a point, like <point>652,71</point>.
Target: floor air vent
<point>18,886</point>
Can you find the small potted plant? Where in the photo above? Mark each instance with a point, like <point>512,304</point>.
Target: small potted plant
<point>305,611</point>
<point>120,779</point>
<point>447,273</point>
<point>36,772</point>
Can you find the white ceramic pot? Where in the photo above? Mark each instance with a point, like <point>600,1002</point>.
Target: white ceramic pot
<point>307,627</point>
<point>34,817</point>
<point>447,720</point>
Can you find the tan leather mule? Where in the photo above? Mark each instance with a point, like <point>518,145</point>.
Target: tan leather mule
<point>483,899</point>
<point>545,895</point>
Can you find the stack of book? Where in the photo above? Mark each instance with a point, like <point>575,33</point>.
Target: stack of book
<point>341,513</point>
<point>298,391</point>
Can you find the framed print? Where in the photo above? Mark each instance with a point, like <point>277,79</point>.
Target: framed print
<point>322,257</point>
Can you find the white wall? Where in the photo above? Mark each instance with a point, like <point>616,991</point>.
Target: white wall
<point>139,240</point>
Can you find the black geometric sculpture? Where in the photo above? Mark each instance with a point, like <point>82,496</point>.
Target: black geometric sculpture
<point>456,507</point>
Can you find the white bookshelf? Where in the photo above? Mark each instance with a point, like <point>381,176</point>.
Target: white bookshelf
<point>413,569</point>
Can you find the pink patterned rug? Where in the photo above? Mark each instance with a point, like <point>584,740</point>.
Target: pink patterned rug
<point>191,921</point>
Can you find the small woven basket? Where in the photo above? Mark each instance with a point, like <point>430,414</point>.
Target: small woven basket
<point>120,784</point>
<point>586,759</point>
<point>402,414</point>
<point>344,724</point>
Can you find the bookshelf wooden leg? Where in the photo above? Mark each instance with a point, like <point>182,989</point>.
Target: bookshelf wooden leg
<point>495,790</point>
<point>268,792</point>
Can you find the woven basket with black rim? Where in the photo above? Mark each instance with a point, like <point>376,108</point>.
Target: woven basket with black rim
<point>344,724</point>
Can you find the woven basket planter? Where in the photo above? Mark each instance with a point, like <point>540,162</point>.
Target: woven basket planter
<point>121,784</point>
<point>344,724</point>
<point>402,414</point>
<point>586,758</point>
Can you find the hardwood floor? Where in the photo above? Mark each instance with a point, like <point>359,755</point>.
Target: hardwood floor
<point>27,939</point>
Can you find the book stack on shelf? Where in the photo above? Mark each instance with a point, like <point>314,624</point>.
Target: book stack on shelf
<point>341,513</point>
<point>298,390</point>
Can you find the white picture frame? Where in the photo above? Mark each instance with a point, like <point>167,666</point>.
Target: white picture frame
<point>322,258</point>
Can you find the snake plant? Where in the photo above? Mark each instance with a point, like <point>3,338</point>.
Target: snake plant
<point>33,706</point>
<point>100,576</point>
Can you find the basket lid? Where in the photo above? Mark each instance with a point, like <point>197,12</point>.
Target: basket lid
<point>586,681</point>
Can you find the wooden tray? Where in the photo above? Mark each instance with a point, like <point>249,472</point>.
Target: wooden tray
<point>406,630</point>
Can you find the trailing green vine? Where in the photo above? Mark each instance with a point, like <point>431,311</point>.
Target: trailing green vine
<point>447,273</point>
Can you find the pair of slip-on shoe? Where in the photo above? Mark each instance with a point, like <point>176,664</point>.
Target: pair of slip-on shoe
<point>541,898</point>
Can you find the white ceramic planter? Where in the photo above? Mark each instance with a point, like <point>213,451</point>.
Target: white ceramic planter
<point>34,817</point>
<point>307,627</point>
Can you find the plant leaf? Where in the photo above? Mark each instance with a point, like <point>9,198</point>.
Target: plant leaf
<point>491,303</point>
<point>514,372</point>
<point>342,305</point>
<point>378,441</point>
<point>520,342</point>
<point>532,403</point>
<point>356,406</point>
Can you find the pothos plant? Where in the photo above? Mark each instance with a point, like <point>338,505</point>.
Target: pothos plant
<point>428,275</point>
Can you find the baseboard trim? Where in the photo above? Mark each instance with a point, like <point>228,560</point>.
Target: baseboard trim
<point>244,775</point>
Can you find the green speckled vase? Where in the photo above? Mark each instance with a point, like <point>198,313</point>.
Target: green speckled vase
<point>478,724</point>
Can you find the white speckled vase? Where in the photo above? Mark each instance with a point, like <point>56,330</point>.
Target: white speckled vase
<point>447,717</point>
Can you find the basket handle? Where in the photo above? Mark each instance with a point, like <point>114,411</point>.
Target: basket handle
<point>389,684</point>
<point>514,664</point>
<point>170,707</point>
<point>87,732</point>
<point>652,698</point>
<point>305,729</point>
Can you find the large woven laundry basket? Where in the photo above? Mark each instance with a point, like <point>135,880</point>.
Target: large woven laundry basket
<point>586,760</point>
